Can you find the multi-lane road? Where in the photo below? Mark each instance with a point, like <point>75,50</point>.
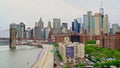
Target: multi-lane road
<point>46,58</point>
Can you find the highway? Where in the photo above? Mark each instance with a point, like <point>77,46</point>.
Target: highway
<point>46,58</point>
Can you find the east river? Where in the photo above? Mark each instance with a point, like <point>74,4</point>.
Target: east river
<point>21,57</point>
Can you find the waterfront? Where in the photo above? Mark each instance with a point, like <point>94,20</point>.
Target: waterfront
<point>21,57</point>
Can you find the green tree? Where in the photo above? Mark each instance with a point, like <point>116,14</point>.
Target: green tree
<point>59,55</point>
<point>65,66</point>
<point>116,54</point>
<point>116,63</point>
<point>106,52</point>
<point>90,42</point>
<point>56,45</point>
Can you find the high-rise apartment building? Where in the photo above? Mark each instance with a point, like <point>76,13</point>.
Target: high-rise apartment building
<point>56,24</point>
<point>105,24</point>
<point>97,23</point>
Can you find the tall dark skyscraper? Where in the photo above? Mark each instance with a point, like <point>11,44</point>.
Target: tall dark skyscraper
<point>76,26</point>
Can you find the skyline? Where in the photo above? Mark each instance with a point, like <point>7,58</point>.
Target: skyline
<point>29,11</point>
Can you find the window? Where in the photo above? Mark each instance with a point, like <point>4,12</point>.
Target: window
<point>71,60</point>
<point>67,60</point>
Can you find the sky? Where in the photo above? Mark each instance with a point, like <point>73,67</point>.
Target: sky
<point>30,11</point>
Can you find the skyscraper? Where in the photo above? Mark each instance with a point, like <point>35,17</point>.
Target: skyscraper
<point>76,26</point>
<point>101,17</point>
<point>28,33</point>
<point>102,22</point>
<point>65,25</point>
<point>56,24</point>
<point>97,23</point>
<point>85,19</point>
<point>49,24</point>
<point>92,25</point>
<point>40,23</point>
<point>35,31</point>
<point>89,14</point>
<point>115,27</point>
<point>21,30</point>
<point>105,24</point>
<point>101,10</point>
<point>47,31</point>
<point>40,27</point>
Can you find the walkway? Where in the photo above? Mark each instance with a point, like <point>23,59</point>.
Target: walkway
<point>46,58</point>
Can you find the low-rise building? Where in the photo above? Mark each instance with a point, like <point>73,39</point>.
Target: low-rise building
<point>72,53</point>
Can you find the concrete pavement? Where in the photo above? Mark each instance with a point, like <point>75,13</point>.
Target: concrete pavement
<point>46,58</point>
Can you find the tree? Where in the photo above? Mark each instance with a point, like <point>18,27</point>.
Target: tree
<point>90,42</point>
<point>116,63</point>
<point>56,45</point>
<point>106,52</point>
<point>59,55</point>
<point>96,65</point>
<point>65,67</point>
<point>116,54</point>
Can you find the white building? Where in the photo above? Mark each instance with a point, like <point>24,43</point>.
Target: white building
<point>72,53</point>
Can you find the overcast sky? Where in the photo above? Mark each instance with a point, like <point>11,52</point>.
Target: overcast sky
<point>29,11</point>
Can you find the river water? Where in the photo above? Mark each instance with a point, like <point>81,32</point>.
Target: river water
<point>21,57</point>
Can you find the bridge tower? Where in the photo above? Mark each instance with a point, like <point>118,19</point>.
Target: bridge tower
<point>13,32</point>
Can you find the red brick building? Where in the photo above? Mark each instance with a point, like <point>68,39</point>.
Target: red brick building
<point>107,41</point>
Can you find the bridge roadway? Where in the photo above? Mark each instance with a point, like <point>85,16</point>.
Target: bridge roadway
<point>46,58</point>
